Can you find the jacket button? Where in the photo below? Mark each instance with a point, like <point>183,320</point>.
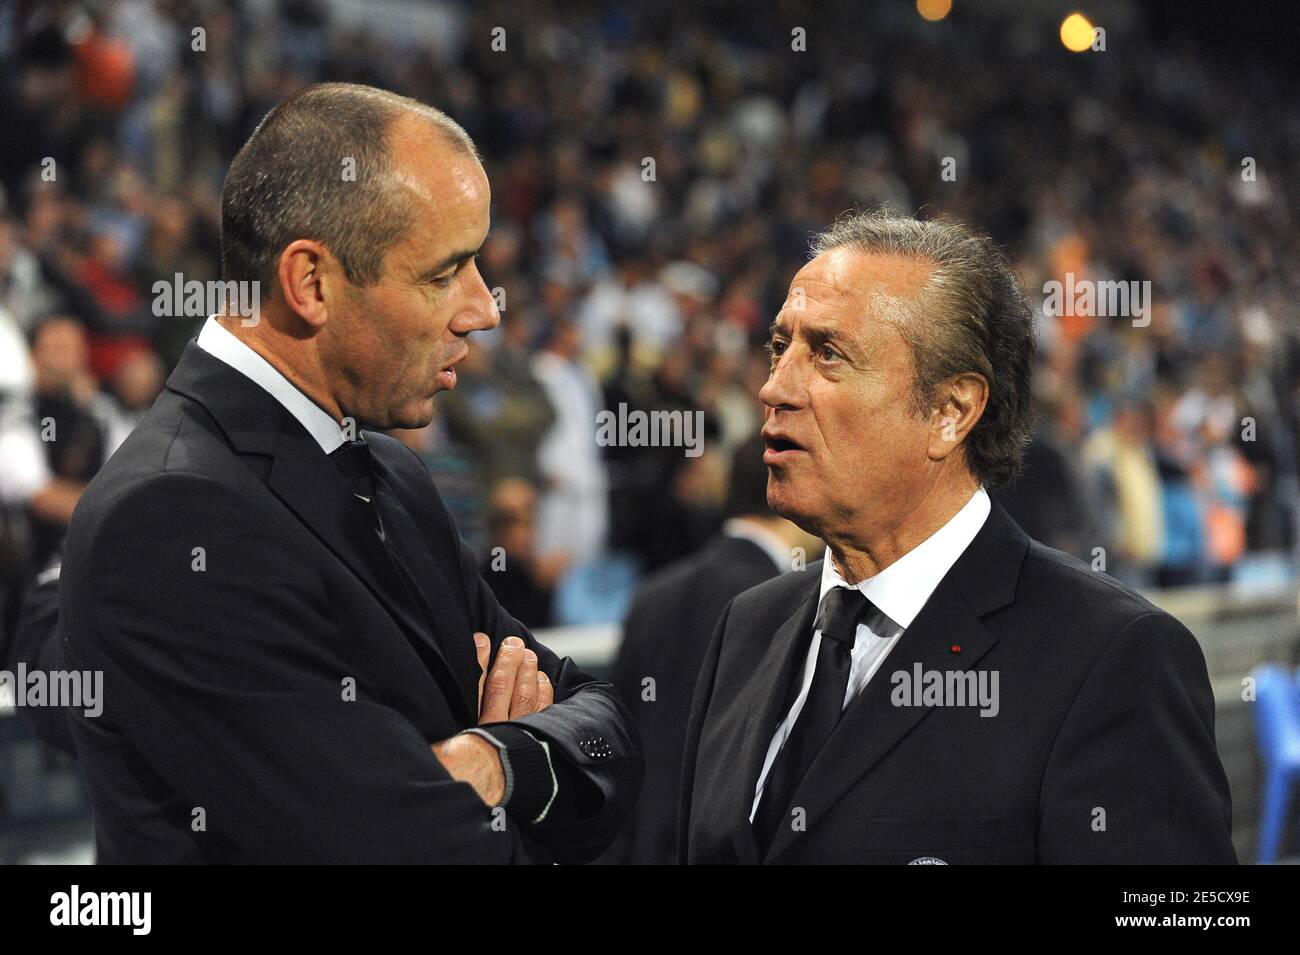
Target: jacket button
<point>595,748</point>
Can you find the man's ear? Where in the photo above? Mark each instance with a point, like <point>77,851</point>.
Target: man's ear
<point>305,275</point>
<point>960,404</point>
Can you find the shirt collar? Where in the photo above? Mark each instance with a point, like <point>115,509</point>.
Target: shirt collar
<point>902,588</point>
<point>219,342</point>
<point>758,535</point>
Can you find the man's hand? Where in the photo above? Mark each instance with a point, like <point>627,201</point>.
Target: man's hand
<point>472,759</point>
<point>515,686</point>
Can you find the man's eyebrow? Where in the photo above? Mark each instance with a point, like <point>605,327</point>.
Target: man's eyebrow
<point>817,334</point>
<point>456,258</point>
<point>824,333</point>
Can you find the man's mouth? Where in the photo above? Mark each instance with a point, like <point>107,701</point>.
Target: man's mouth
<point>779,447</point>
<point>447,377</point>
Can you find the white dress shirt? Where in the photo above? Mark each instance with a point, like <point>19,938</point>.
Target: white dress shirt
<point>899,591</point>
<point>219,342</point>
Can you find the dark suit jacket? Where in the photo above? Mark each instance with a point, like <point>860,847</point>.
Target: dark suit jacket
<point>665,635</point>
<point>1102,749</point>
<point>266,677</point>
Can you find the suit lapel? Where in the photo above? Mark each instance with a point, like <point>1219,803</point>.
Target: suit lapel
<point>981,581</point>
<point>771,695</point>
<point>451,630</point>
<point>303,478</point>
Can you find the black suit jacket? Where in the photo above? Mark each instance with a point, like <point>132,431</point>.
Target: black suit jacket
<point>270,692</point>
<point>665,635</point>
<point>1102,749</point>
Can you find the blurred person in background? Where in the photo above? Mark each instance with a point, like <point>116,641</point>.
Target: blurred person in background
<point>666,632</point>
<point>519,575</point>
<point>1048,499</point>
<point>71,431</point>
<point>499,411</point>
<point>1121,461</point>
<point>180,238</point>
<point>665,503</point>
<point>25,480</point>
<point>1183,555</point>
<point>454,471</point>
<point>60,443</point>
<point>573,253</point>
<point>1224,482</point>
<point>136,383</point>
<point>573,511</point>
<point>629,297</point>
<point>25,293</point>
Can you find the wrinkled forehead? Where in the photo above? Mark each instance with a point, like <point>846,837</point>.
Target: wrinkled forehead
<point>852,289</point>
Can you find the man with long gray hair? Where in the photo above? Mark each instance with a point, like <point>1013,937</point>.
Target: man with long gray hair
<point>941,688</point>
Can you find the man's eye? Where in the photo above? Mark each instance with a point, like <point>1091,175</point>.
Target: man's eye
<point>829,353</point>
<point>775,348</point>
<point>442,281</point>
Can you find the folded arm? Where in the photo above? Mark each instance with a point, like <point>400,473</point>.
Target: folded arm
<point>223,670</point>
<point>580,758</point>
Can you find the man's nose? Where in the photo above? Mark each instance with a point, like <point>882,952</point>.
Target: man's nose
<point>480,313</point>
<point>784,387</point>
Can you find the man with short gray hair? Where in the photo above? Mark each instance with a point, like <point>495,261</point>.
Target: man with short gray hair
<point>301,662</point>
<point>941,688</point>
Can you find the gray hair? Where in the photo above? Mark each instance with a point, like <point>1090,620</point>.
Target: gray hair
<point>288,181</point>
<point>969,316</point>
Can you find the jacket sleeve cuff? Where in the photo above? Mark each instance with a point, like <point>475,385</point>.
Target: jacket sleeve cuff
<point>530,781</point>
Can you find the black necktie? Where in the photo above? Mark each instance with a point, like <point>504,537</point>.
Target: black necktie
<point>353,461</point>
<point>837,618</point>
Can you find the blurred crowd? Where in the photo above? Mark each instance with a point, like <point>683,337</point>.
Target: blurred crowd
<point>656,177</point>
